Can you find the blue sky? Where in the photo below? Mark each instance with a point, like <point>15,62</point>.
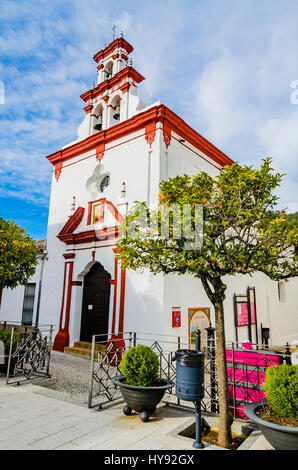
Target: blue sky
<point>225,66</point>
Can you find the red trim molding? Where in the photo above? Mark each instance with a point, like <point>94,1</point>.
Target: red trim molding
<point>124,74</point>
<point>146,120</point>
<point>72,223</point>
<point>124,88</point>
<point>167,133</point>
<point>122,298</point>
<point>58,169</point>
<point>116,44</point>
<point>69,255</point>
<point>150,130</point>
<point>115,294</point>
<point>62,337</point>
<point>88,108</point>
<point>100,150</point>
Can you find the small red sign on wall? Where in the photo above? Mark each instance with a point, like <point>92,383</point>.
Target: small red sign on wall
<point>176,317</point>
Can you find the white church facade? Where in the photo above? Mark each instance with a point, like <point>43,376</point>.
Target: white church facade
<point>124,150</point>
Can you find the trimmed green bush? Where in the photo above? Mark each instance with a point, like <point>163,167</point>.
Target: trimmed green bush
<point>281,387</point>
<point>5,336</point>
<point>140,366</point>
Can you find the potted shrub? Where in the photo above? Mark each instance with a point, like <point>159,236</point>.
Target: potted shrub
<point>277,417</point>
<point>140,386</point>
<point>5,336</point>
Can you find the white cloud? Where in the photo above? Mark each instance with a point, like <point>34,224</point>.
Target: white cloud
<point>221,99</point>
<point>279,136</point>
<point>242,92</point>
<point>226,67</point>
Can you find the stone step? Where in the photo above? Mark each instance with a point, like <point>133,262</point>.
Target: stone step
<point>82,352</point>
<point>86,345</point>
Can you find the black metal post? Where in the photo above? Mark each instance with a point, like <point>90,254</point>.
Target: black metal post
<point>288,358</point>
<point>198,444</point>
<point>198,340</point>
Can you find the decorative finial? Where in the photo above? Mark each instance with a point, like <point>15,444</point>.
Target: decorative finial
<point>121,34</point>
<point>73,206</point>
<point>123,190</point>
<point>130,62</point>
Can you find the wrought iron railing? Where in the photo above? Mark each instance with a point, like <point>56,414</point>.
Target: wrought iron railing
<point>30,358</point>
<point>246,369</point>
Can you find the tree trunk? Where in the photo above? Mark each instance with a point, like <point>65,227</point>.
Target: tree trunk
<point>225,417</point>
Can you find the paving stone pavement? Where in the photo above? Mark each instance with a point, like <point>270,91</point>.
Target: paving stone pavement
<point>32,418</point>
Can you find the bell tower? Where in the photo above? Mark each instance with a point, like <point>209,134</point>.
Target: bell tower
<point>115,97</point>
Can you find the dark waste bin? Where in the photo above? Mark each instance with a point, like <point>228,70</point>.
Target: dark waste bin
<point>190,381</point>
<point>189,374</point>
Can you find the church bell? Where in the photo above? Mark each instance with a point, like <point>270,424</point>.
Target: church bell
<point>98,125</point>
<point>116,114</point>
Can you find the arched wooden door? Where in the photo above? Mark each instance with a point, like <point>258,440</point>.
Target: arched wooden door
<point>96,302</point>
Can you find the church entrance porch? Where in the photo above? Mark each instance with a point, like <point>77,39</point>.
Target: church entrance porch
<point>95,304</point>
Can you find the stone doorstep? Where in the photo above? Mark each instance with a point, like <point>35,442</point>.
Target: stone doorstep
<point>83,349</point>
<point>86,345</point>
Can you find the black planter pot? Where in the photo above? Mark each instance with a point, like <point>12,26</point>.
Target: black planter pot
<point>142,399</point>
<point>280,437</point>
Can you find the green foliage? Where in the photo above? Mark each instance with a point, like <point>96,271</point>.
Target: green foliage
<point>5,336</point>
<point>140,366</point>
<point>244,232</point>
<point>293,219</point>
<point>17,255</point>
<point>281,387</point>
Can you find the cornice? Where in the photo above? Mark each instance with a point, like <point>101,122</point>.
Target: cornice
<point>144,120</point>
<point>127,72</point>
<point>116,44</point>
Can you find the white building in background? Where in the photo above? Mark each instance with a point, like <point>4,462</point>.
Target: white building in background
<point>124,150</point>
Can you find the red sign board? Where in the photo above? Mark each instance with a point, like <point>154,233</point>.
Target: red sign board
<point>176,317</point>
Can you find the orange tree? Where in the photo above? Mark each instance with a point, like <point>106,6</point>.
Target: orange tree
<point>244,232</point>
<point>17,255</point>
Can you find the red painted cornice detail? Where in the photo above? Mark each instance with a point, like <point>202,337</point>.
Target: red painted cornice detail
<point>106,136</point>
<point>124,88</point>
<point>119,42</point>
<point>69,255</point>
<point>90,236</point>
<point>144,120</point>
<point>150,130</point>
<point>167,133</point>
<point>72,223</point>
<point>88,108</point>
<point>58,169</point>
<point>67,236</point>
<point>100,150</point>
<point>127,72</point>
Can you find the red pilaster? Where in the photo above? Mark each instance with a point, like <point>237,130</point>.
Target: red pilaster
<point>62,337</point>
